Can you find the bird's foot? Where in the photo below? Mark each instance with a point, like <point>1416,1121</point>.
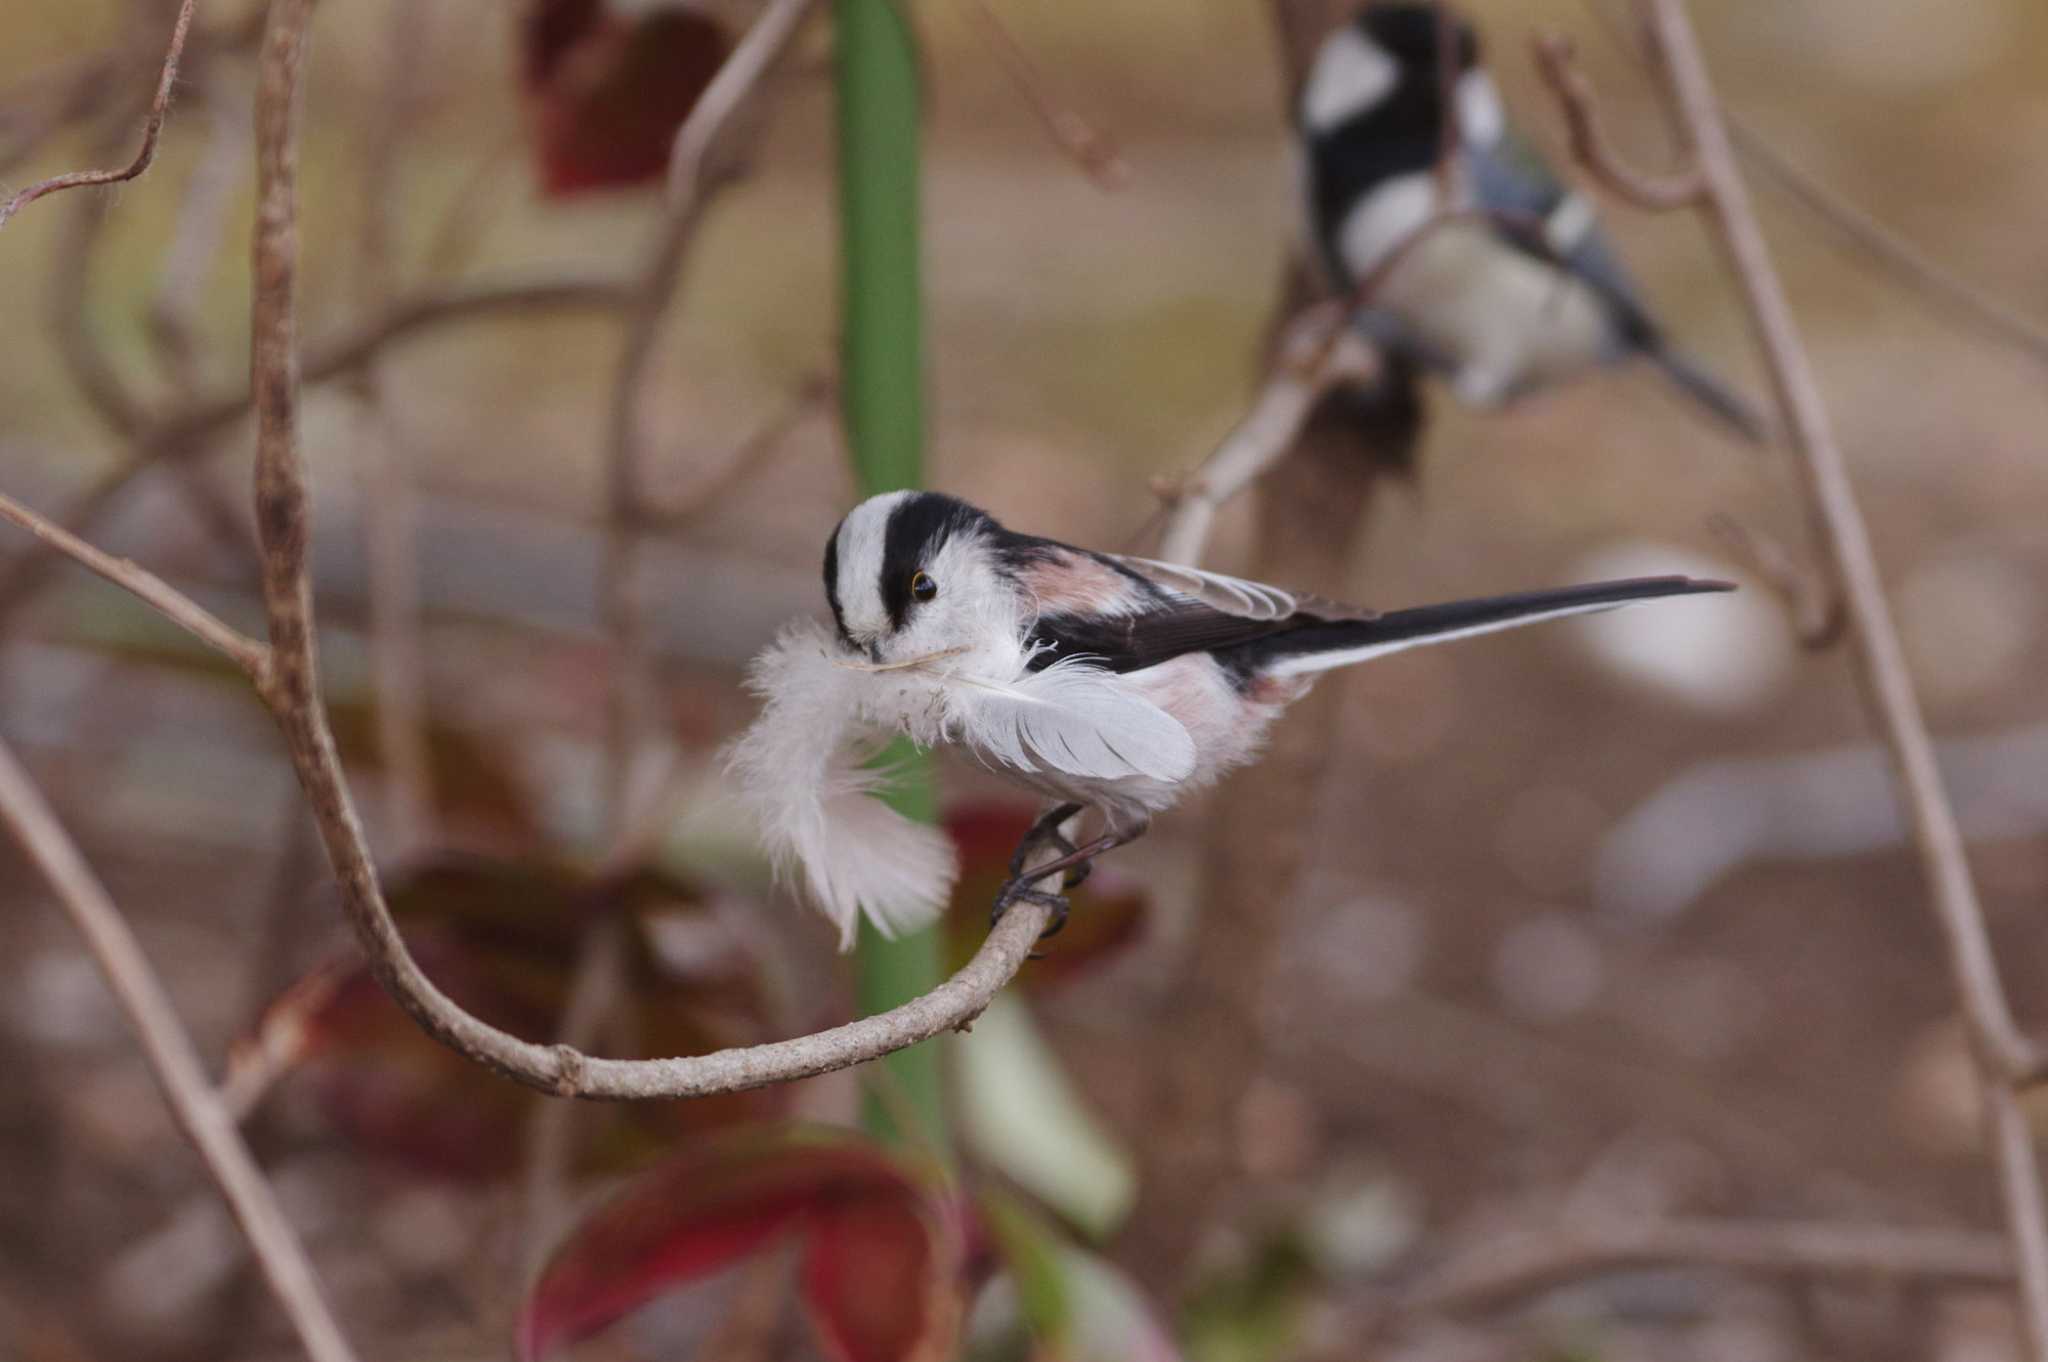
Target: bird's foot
<point>1018,890</point>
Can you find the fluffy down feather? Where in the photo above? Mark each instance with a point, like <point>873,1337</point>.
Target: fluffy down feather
<point>800,774</point>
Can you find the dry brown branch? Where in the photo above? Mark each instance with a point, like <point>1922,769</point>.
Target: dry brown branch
<point>1921,276</point>
<point>184,429</point>
<point>1818,616</point>
<point>1317,352</point>
<point>2006,1058</point>
<point>159,109</point>
<point>1556,60</point>
<point>294,696</point>
<point>1091,148</point>
<point>245,652</point>
<point>1515,1267</point>
<point>1962,301</point>
<point>174,1061</point>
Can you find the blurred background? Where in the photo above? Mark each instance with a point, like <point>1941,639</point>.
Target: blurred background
<point>1609,919</point>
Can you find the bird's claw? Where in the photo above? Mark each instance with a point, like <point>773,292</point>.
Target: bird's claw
<point>1020,891</point>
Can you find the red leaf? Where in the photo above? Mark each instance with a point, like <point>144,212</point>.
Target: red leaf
<point>877,1287</point>
<point>606,93</point>
<point>872,1221</point>
<point>502,939</point>
<point>1108,910</point>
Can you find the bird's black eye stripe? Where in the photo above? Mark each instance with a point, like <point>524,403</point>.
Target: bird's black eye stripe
<point>922,587</point>
<point>918,528</point>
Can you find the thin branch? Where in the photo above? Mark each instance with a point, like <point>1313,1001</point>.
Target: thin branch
<point>1091,148</point>
<point>1960,300</point>
<point>1905,265</point>
<point>1818,616</point>
<point>175,1062</point>
<point>294,696</point>
<point>689,169</point>
<point>429,309</point>
<point>185,431</point>
<point>2004,1055</point>
<point>245,652</point>
<point>1318,351</point>
<point>159,109</point>
<point>1515,1267</point>
<point>1557,61</point>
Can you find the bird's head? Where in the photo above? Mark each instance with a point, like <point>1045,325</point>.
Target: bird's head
<point>1413,34</point>
<point>913,574</point>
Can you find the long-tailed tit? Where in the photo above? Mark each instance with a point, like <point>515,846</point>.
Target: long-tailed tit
<point>1092,679</point>
<point>1507,286</point>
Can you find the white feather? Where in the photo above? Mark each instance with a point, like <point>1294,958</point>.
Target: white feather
<point>1073,716</point>
<point>801,775</point>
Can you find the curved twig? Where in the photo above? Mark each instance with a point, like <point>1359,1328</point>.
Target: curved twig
<point>1557,61</point>
<point>2006,1058</point>
<point>293,694</point>
<point>159,110</point>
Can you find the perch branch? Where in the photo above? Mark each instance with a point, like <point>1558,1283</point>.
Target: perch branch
<point>1317,352</point>
<point>245,652</point>
<point>1519,1266</point>
<point>2005,1056</point>
<point>294,696</point>
<point>174,1060</point>
<point>159,109</point>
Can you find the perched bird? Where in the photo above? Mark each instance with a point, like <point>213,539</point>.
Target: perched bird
<point>1095,680</point>
<point>1506,284</point>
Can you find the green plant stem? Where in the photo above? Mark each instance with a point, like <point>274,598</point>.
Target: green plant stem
<point>881,313</point>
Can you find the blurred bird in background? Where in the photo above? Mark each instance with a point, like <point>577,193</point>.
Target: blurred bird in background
<point>1470,258</point>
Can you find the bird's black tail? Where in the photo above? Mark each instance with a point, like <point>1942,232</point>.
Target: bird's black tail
<point>1339,643</point>
<point>1713,395</point>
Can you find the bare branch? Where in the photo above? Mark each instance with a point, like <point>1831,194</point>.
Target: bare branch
<point>1515,1267</point>
<point>294,696</point>
<point>689,158</point>
<point>1558,63</point>
<point>2004,1055</point>
<point>182,430</point>
<point>159,109</point>
<point>1317,352</point>
<point>1091,148</point>
<point>1963,301</point>
<point>175,1062</point>
<point>1818,617</point>
<point>245,652</point>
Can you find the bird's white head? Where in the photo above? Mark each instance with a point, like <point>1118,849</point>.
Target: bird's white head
<point>911,575</point>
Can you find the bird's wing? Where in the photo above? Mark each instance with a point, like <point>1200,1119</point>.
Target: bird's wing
<point>1166,610</point>
<point>1547,219</point>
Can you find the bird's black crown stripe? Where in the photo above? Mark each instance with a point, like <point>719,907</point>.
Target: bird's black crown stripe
<point>918,526</point>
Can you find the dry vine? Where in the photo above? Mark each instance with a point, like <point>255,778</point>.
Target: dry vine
<point>2007,1060</point>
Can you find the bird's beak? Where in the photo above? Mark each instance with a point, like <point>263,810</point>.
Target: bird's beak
<point>875,652</point>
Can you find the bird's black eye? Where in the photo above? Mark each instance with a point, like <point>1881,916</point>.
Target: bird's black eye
<point>922,587</point>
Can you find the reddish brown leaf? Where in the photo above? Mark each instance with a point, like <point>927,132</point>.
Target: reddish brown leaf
<point>871,1223</point>
<point>880,1282</point>
<point>1109,910</point>
<point>606,93</point>
<point>502,939</point>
